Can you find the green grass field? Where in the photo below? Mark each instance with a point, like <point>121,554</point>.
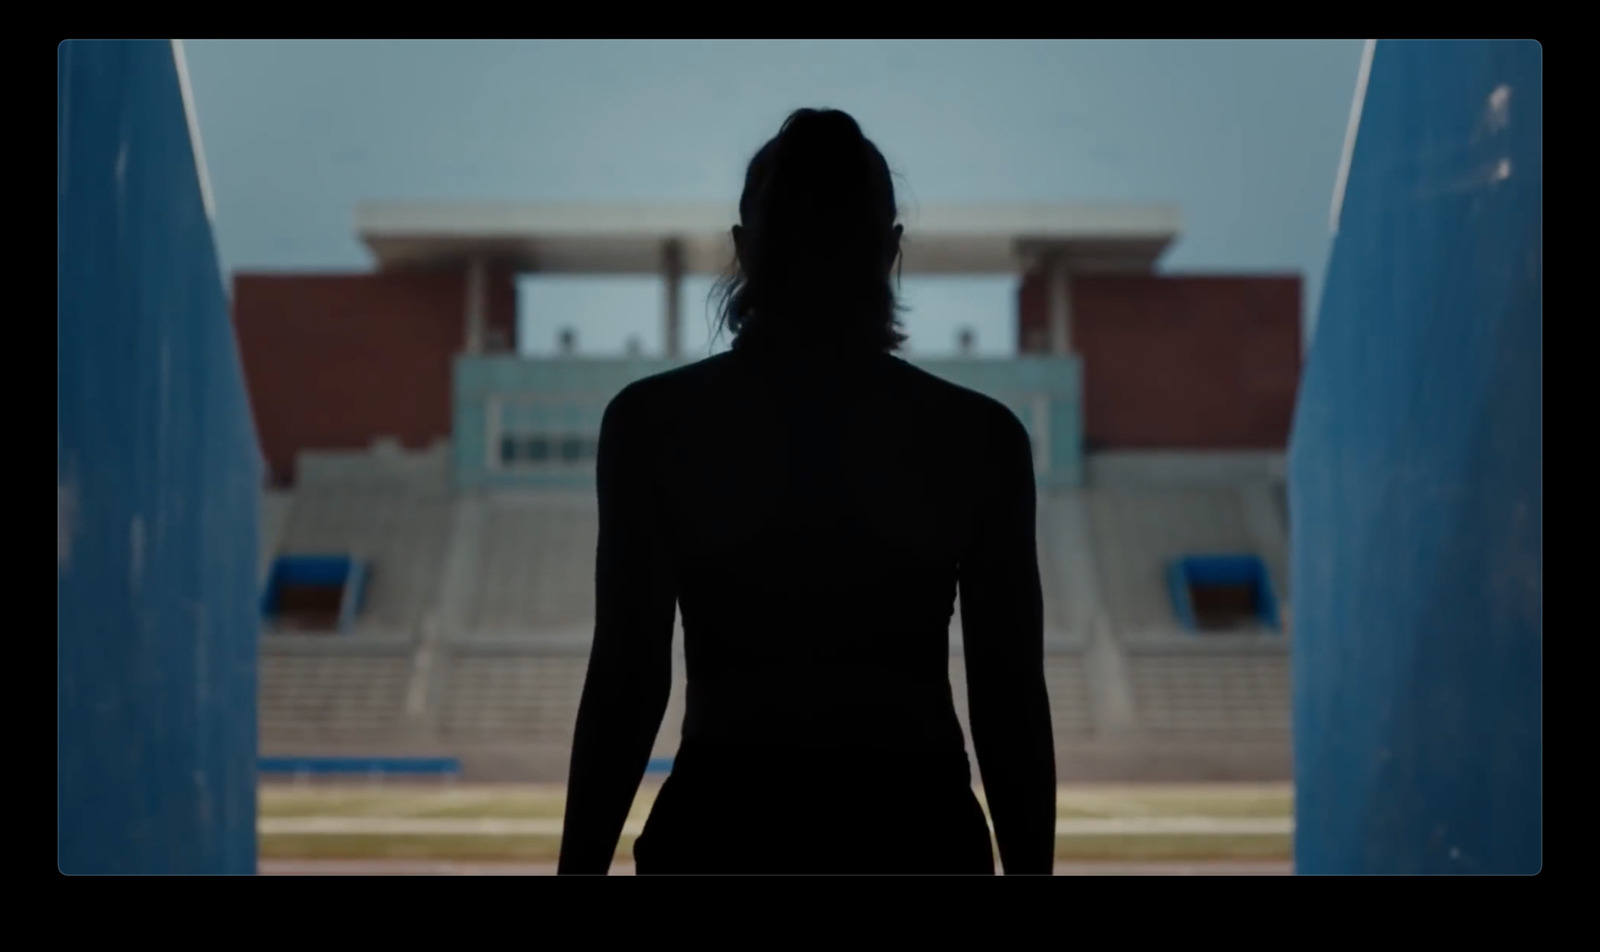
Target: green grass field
<point>1233,802</point>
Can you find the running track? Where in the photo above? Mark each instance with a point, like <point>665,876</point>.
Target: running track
<point>424,868</point>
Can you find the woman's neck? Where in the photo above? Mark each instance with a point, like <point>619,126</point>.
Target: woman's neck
<point>795,339</point>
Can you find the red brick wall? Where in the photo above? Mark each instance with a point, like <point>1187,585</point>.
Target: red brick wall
<point>1180,362</point>
<point>336,361</point>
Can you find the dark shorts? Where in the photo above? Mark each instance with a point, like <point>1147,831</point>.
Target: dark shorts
<point>796,812</point>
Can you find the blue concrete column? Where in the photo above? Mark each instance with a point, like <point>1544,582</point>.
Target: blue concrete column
<point>1416,480</point>
<point>158,482</point>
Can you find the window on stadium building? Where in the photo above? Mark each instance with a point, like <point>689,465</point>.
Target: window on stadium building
<point>539,450</point>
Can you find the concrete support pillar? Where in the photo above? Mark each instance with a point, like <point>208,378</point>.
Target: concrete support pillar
<point>672,312</point>
<point>1110,685</point>
<point>1060,286</point>
<point>477,305</point>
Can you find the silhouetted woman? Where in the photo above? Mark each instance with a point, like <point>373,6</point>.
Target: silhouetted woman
<point>811,504</point>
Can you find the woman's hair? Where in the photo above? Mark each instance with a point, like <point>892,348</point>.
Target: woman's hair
<point>818,241</point>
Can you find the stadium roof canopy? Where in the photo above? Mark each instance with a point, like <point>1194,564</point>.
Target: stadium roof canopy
<point>634,238</point>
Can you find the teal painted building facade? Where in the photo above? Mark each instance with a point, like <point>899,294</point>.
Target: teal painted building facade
<point>535,423</point>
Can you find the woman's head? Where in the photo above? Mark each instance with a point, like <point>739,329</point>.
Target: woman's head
<point>816,241</point>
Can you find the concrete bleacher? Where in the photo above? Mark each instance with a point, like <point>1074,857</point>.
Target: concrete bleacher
<point>1138,531</point>
<point>494,591</point>
<point>392,512</point>
<point>535,567</point>
<point>1232,694</point>
<point>526,697</point>
<point>401,535</point>
<point>1181,688</point>
<point>333,692</point>
<point>1145,509</point>
<point>1067,569</point>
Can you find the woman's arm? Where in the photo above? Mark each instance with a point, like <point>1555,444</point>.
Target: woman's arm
<point>630,664</point>
<point>1002,620</point>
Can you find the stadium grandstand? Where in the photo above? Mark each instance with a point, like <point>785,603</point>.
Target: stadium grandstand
<point>429,532</point>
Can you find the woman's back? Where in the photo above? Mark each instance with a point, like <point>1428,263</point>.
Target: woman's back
<point>817,514</point>
<point>814,505</point>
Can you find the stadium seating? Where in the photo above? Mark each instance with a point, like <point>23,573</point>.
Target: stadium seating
<point>1138,531</point>
<point>324,695</point>
<point>536,568</point>
<point>494,595</point>
<point>401,534</point>
<point>1232,695</point>
<point>524,697</point>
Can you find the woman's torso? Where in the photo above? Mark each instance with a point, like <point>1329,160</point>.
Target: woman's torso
<point>817,513</point>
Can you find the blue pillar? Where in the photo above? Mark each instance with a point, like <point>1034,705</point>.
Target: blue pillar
<point>1415,481</point>
<point>157,489</point>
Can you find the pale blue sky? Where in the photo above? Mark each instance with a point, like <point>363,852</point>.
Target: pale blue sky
<point>1244,136</point>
